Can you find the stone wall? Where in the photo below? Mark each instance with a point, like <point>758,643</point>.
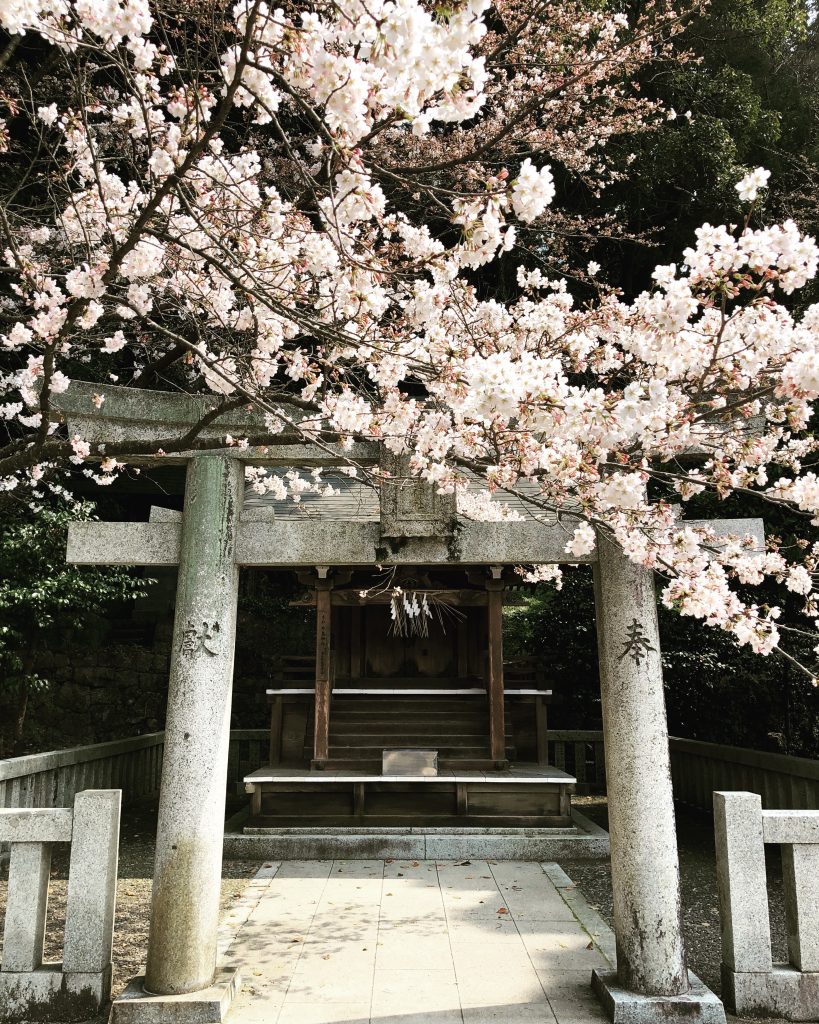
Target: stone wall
<point>111,680</point>
<point>100,691</point>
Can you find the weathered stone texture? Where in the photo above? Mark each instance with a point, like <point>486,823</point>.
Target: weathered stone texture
<point>92,882</point>
<point>644,862</point>
<point>800,868</point>
<point>698,1005</point>
<point>743,895</point>
<point>185,899</point>
<point>26,906</point>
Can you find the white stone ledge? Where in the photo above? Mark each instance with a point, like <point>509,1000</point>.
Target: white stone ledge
<point>36,825</point>
<point>545,776</point>
<point>790,826</point>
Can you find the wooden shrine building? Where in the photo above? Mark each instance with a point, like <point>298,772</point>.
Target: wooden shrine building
<point>408,657</point>
<point>396,645</point>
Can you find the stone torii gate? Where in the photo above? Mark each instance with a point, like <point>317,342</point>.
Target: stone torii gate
<point>211,543</point>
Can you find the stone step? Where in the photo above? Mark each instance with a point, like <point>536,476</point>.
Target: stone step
<point>408,725</point>
<point>408,738</point>
<point>375,753</point>
<point>406,707</point>
<point>445,843</point>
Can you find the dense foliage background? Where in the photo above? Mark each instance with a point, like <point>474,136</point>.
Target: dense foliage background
<point>750,98</point>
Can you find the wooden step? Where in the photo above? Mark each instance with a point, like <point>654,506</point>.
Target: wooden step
<point>374,753</point>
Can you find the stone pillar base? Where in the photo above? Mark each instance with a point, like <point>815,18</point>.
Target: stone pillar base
<point>50,994</point>
<point>783,992</point>
<point>698,1005</point>
<point>207,1006</point>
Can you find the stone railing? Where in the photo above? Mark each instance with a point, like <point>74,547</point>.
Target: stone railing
<point>76,988</point>
<point>134,766</point>
<point>53,779</point>
<point>698,769</point>
<point>751,982</point>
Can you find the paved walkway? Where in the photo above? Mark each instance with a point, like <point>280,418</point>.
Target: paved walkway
<point>392,942</point>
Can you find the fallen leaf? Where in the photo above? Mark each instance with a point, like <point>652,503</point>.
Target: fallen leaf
<point>462,863</point>
<point>501,910</point>
<point>326,956</point>
<point>590,946</point>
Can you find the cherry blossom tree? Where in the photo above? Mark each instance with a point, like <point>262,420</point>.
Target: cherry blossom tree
<point>310,222</point>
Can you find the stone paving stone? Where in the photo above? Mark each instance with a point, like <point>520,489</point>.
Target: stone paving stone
<point>518,1013</point>
<point>580,1008</point>
<point>396,953</point>
<point>563,982</point>
<point>400,992</point>
<point>324,1013</point>
<point>518,983</point>
<point>413,942</point>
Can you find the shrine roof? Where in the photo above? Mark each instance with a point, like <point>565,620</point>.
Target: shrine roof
<point>355,501</point>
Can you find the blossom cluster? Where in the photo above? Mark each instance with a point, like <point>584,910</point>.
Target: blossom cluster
<point>341,315</point>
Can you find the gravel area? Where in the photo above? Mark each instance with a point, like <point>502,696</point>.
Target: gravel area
<point>136,862</point>
<point>698,875</point>
<point>697,866</point>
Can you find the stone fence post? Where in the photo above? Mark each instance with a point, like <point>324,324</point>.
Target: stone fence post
<point>81,984</point>
<point>751,982</point>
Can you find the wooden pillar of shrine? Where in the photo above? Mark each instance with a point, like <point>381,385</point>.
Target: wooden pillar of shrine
<point>321,725</point>
<point>494,678</point>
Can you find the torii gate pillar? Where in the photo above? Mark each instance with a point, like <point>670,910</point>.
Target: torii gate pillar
<point>651,982</point>
<point>187,872</point>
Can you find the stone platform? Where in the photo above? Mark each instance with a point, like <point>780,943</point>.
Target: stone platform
<point>582,839</point>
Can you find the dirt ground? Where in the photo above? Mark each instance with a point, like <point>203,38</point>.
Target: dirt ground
<point>136,862</point>
<point>698,883</point>
<point>697,866</point>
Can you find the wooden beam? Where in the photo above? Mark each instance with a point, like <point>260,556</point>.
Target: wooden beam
<point>355,643</point>
<point>494,682</point>
<point>462,636</point>
<point>541,726</point>
<point>321,726</point>
<point>276,720</point>
<point>352,598</point>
